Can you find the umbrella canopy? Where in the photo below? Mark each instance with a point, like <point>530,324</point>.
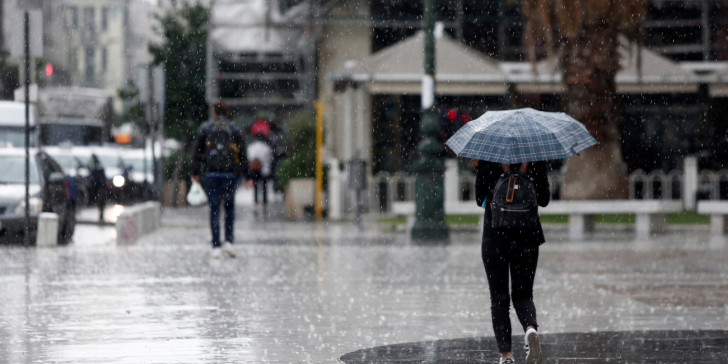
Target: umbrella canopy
<point>521,135</point>
<point>260,127</point>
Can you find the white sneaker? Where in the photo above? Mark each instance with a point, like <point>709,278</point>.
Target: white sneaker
<point>533,347</point>
<point>227,247</point>
<point>506,361</point>
<point>216,253</point>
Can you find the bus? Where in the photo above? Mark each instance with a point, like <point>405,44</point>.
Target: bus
<point>74,116</point>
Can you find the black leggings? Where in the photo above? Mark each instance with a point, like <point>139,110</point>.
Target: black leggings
<point>499,257</point>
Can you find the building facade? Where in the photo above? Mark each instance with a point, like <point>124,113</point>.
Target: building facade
<point>88,43</point>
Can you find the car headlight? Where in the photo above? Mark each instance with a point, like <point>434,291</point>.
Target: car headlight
<point>36,206</point>
<point>118,181</point>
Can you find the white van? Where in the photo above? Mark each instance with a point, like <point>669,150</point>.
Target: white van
<point>12,125</point>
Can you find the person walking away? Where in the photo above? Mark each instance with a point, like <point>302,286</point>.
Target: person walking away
<point>98,185</point>
<point>260,160</point>
<point>219,157</point>
<point>279,152</point>
<point>511,252</point>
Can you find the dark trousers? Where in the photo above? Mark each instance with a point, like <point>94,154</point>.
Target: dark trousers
<point>220,188</point>
<point>503,258</point>
<point>262,182</point>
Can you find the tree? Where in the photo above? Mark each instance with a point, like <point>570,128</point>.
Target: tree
<point>9,78</point>
<point>134,109</point>
<point>585,34</point>
<point>183,30</point>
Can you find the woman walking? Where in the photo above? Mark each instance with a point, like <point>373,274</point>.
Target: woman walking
<point>511,252</point>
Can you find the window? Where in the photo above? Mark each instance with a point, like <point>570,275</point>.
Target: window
<point>89,21</point>
<point>105,18</point>
<point>90,61</point>
<point>73,11</point>
<point>104,59</point>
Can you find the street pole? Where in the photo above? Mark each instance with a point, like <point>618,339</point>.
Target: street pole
<point>429,186</point>
<point>26,29</point>
<point>318,206</point>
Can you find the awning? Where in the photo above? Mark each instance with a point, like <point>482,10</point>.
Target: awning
<point>398,69</point>
<point>658,74</point>
<point>718,86</point>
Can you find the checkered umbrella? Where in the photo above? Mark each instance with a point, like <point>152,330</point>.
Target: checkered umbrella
<point>521,135</point>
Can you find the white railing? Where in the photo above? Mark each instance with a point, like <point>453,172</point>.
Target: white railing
<point>656,185</point>
<point>387,187</point>
<point>713,185</point>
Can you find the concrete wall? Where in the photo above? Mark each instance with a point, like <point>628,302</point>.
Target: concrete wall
<point>348,113</point>
<point>138,220</point>
<point>337,44</point>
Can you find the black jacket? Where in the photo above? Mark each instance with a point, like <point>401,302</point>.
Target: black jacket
<point>240,167</point>
<point>487,175</point>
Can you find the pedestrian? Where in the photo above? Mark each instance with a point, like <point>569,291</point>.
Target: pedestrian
<point>260,160</point>
<point>219,157</point>
<point>279,152</point>
<point>98,185</point>
<point>511,253</point>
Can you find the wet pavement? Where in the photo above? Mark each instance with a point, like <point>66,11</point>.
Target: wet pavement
<point>675,346</point>
<point>325,292</point>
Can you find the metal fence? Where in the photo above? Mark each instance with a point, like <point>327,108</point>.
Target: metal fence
<point>384,188</point>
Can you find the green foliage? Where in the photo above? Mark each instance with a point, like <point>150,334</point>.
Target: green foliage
<point>301,164</point>
<point>300,141</point>
<point>9,78</point>
<point>171,161</point>
<point>683,217</point>
<point>687,217</point>
<point>464,219</point>
<point>183,30</point>
<point>129,94</point>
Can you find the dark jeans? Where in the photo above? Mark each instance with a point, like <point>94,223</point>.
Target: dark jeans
<point>502,257</point>
<point>263,183</point>
<point>220,187</point>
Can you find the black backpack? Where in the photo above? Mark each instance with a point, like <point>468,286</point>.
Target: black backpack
<point>221,151</point>
<point>514,204</point>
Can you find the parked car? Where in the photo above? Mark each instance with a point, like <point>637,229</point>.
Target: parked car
<point>50,191</point>
<point>75,163</point>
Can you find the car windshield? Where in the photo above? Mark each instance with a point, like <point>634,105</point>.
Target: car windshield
<point>109,160</point>
<point>138,164</point>
<point>13,137</point>
<point>13,167</point>
<point>68,162</point>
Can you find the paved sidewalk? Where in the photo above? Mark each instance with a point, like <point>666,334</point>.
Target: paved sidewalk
<point>314,292</point>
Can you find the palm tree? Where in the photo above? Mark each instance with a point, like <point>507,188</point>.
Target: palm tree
<point>585,34</point>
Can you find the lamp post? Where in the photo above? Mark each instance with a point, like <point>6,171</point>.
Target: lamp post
<point>429,186</point>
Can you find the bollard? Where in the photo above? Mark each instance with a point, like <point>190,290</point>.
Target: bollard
<point>47,234</point>
<point>452,181</point>
<point>690,182</point>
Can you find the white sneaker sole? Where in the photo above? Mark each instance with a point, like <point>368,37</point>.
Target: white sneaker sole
<point>228,249</point>
<point>534,347</point>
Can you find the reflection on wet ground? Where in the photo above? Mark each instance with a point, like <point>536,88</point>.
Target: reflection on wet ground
<point>569,348</point>
<point>307,292</point>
